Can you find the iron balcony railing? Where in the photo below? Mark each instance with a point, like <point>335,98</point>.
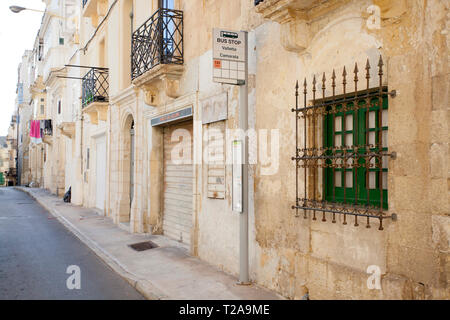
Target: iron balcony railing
<point>258,2</point>
<point>95,86</point>
<point>84,2</point>
<point>158,41</point>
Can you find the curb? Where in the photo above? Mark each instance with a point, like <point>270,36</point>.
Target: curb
<point>144,287</point>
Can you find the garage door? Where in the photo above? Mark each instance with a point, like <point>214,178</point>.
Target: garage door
<point>178,181</point>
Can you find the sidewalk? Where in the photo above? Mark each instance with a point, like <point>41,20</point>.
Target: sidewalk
<point>166,272</point>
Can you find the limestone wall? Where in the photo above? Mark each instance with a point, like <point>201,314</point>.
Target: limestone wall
<point>292,255</point>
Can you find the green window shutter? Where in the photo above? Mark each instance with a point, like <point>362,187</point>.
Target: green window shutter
<point>359,125</point>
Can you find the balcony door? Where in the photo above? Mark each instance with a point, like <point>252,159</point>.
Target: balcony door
<point>168,28</point>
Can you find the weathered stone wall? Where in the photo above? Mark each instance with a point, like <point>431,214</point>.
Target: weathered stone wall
<point>328,260</point>
<point>291,255</point>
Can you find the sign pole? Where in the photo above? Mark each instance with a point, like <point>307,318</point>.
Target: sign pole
<point>230,65</point>
<point>243,220</point>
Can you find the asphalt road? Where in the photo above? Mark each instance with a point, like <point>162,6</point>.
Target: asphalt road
<point>36,250</point>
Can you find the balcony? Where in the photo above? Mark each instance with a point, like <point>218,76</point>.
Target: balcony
<point>296,18</point>
<point>53,64</point>
<point>94,96</point>
<point>94,9</point>
<point>157,51</point>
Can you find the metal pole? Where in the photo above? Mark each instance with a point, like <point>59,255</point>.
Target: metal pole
<point>243,220</point>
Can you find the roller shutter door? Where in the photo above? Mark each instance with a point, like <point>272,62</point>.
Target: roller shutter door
<point>178,181</point>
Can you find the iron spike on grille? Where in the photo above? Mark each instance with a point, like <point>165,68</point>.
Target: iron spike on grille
<point>314,87</point>
<point>368,73</point>
<point>333,84</point>
<point>344,78</point>
<point>323,84</point>
<point>380,66</point>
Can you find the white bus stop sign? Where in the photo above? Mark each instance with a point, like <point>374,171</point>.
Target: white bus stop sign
<point>229,60</point>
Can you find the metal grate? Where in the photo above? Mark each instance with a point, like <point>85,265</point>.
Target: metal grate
<point>361,158</point>
<point>95,86</point>
<point>142,246</point>
<point>158,41</point>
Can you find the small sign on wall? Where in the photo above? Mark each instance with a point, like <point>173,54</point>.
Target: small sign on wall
<point>216,160</point>
<point>214,108</point>
<point>173,116</point>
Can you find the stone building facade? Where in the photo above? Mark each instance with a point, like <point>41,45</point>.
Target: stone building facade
<point>23,110</point>
<point>136,145</point>
<point>11,141</point>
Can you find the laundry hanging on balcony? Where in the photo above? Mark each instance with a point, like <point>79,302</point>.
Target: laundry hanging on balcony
<point>35,131</point>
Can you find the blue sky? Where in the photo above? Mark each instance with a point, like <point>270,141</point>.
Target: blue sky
<point>17,34</point>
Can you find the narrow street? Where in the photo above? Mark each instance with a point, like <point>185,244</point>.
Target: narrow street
<point>36,250</point>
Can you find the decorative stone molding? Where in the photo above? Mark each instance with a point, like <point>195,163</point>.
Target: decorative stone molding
<point>295,17</point>
<point>38,86</point>
<point>164,78</point>
<point>294,35</point>
<point>94,9</point>
<point>96,111</point>
<point>67,129</point>
<point>281,11</point>
<point>125,96</point>
<point>47,139</point>
<point>150,94</point>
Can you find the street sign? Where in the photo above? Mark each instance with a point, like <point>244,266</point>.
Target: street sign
<point>229,56</point>
<point>177,115</point>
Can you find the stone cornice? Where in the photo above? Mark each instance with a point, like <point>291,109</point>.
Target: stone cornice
<point>295,18</point>
<point>181,102</point>
<point>53,77</point>
<point>163,78</point>
<point>96,111</point>
<point>67,129</point>
<point>125,96</point>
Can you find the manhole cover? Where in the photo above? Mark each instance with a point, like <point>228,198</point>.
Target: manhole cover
<point>142,246</point>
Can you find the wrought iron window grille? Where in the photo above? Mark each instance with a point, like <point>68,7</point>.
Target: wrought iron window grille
<point>95,86</point>
<point>362,158</point>
<point>158,41</point>
<point>84,2</point>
